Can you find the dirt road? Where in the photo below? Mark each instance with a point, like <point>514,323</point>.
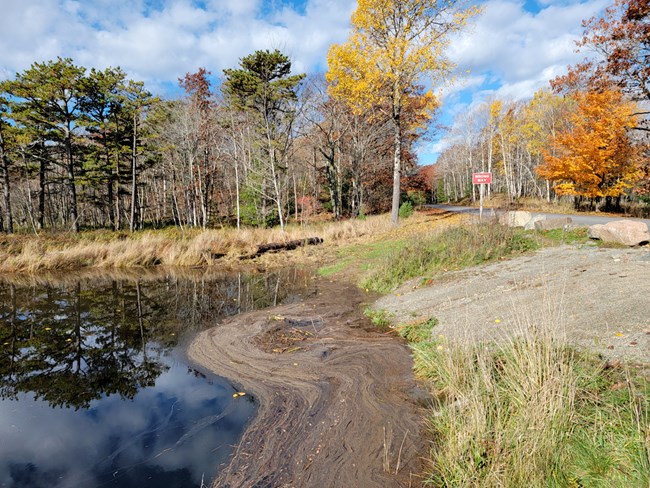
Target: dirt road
<point>335,408</point>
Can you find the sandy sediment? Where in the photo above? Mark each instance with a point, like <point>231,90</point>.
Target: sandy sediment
<point>336,408</point>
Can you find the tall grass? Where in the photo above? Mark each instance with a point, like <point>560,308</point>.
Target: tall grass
<point>533,412</point>
<point>447,249</point>
<point>105,249</point>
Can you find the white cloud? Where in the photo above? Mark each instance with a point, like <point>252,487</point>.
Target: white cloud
<point>516,44</point>
<point>510,53</point>
<point>160,44</point>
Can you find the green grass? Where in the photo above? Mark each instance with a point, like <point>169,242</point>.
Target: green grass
<point>362,257</point>
<point>418,331</point>
<point>450,249</point>
<point>533,413</point>
<point>379,318</point>
<point>335,268</point>
<point>561,236</point>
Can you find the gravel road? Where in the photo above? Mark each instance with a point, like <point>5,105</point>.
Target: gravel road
<point>597,298</point>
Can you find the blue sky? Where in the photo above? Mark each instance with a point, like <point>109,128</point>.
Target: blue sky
<point>509,52</point>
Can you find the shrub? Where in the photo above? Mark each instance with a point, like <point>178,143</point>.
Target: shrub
<point>405,210</point>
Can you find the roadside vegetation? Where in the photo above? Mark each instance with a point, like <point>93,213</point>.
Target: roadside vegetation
<point>530,412</point>
<point>448,249</point>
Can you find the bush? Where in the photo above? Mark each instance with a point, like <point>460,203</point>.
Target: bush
<point>405,210</point>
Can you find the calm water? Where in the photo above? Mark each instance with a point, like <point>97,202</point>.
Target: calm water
<point>94,386</point>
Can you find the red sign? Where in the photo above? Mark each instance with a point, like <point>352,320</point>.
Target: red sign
<point>481,178</point>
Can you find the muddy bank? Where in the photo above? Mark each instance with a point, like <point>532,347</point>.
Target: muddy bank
<point>335,395</point>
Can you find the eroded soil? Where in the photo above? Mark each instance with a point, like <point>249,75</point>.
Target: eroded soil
<point>336,408</point>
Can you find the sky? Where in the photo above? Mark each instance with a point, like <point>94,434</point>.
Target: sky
<point>510,51</point>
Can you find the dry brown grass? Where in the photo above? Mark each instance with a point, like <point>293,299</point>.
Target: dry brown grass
<point>165,248</point>
<point>530,411</point>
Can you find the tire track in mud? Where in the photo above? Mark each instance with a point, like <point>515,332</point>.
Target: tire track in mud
<point>334,413</point>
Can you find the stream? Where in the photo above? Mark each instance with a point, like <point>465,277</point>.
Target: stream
<point>95,386</point>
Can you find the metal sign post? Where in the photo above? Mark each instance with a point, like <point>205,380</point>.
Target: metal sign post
<point>481,179</point>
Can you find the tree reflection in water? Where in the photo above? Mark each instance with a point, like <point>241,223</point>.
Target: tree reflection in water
<point>128,412</point>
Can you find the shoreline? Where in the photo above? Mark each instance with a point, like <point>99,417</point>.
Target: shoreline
<point>336,406</point>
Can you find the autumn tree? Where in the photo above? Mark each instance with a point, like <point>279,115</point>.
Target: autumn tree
<point>199,138</point>
<point>622,38</point>
<point>394,46</point>
<point>594,157</point>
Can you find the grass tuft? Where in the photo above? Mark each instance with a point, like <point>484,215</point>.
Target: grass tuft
<point>533,412</point>
<point>418,331</point>
<point>170,247</point>
<point>379,318</point>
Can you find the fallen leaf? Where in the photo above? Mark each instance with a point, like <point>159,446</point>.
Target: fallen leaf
<point>617,386</point>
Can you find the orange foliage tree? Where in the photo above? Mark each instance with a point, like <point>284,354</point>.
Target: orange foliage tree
<point>594,157</point>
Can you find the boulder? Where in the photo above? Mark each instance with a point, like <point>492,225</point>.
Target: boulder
<point>515,218</point>
<point>626,232</point>
<point>530,225</point>
<point>554,223</point>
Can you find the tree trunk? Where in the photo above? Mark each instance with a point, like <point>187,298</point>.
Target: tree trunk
<point>134,182</point>
<point>7,189</point>
<point>41,193</point>
<point>109,196</point>
<point>397,166</point>
<point>71,179</point>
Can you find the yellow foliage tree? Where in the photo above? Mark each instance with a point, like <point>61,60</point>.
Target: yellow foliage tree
<point>595,157</point>
<point>393,45</point>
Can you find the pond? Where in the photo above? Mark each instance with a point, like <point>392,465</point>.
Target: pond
<point>95,388</point>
